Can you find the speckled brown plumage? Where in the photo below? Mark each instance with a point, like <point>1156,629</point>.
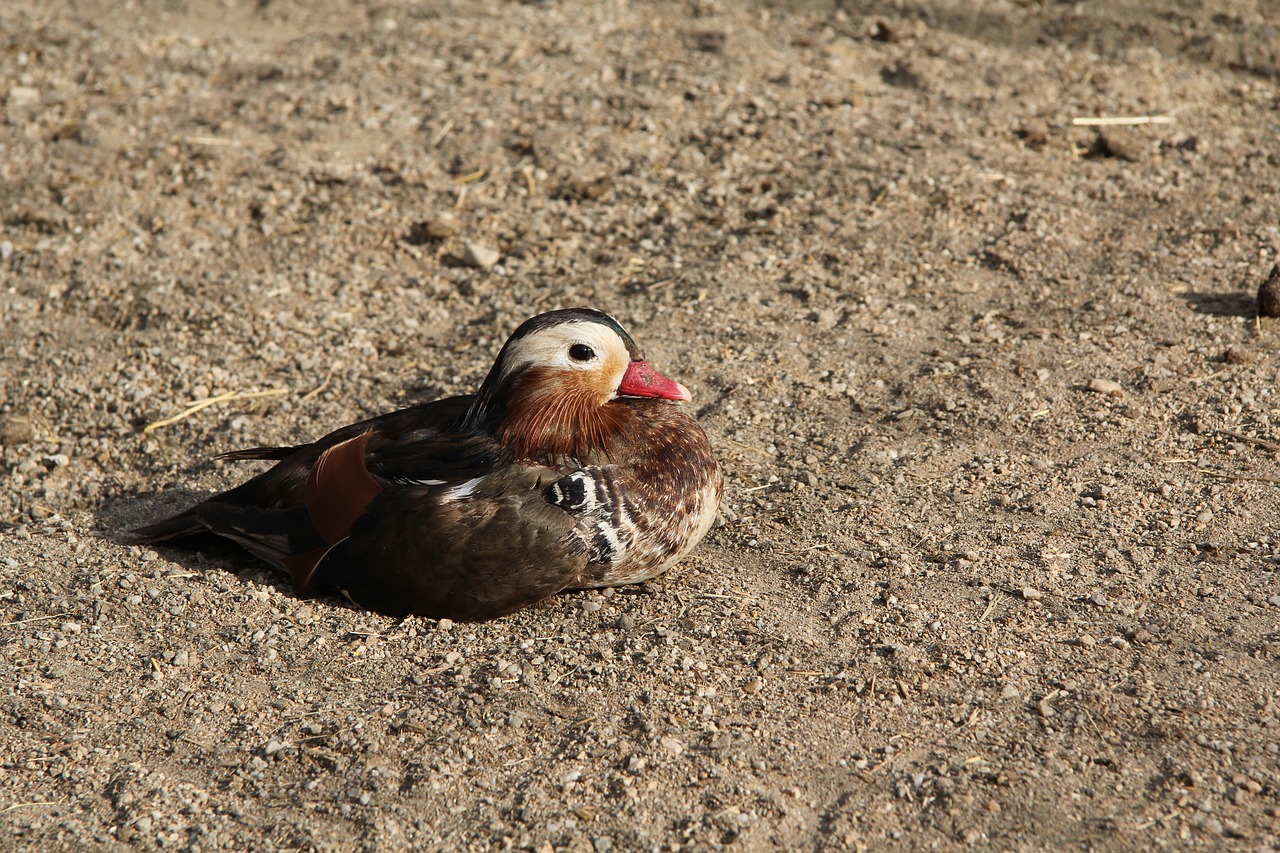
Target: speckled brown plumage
<point>574,466</point>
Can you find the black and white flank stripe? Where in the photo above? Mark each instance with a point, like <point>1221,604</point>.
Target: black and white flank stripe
<point>605,522</point>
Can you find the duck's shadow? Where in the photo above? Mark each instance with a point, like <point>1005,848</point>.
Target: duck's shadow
<point>1222,304</point>
<point>201,552</point>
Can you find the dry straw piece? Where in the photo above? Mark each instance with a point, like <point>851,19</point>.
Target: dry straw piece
<point>211,401</point>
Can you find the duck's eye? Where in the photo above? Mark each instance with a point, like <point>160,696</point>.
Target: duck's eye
<point>581,352</point>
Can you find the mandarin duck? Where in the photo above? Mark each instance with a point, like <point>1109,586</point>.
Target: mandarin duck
<point>573,466</point>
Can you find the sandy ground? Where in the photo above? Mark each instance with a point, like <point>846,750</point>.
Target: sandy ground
<point>999,562</point>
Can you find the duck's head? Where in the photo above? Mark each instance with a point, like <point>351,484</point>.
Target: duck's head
<point>548,392</point>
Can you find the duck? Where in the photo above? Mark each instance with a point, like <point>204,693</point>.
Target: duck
<point>575,465</point>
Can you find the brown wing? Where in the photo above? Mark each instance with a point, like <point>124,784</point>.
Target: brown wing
<point>284,485</point>
<point>339,490</point>
<point>340,487</point>
<point>473,559</point>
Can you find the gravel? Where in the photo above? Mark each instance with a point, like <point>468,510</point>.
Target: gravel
<point>997,564</point>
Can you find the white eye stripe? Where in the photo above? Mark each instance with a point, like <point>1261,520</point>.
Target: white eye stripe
<point>556,347</point>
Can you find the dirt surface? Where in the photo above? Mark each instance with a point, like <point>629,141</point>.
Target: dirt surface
<point>999,562</point>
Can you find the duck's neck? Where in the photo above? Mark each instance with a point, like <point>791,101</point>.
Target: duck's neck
<point>539,417</point>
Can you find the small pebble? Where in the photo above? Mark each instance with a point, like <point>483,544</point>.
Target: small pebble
<point>480,256</point>
<point>23,95</point>
<point>1105,386</point>
<point>1030,593</point>
<point>753,686</point>
<point>17,429</point>
<point>1119,142</point>
<point>1232,355</point>
<point>440,226</point>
